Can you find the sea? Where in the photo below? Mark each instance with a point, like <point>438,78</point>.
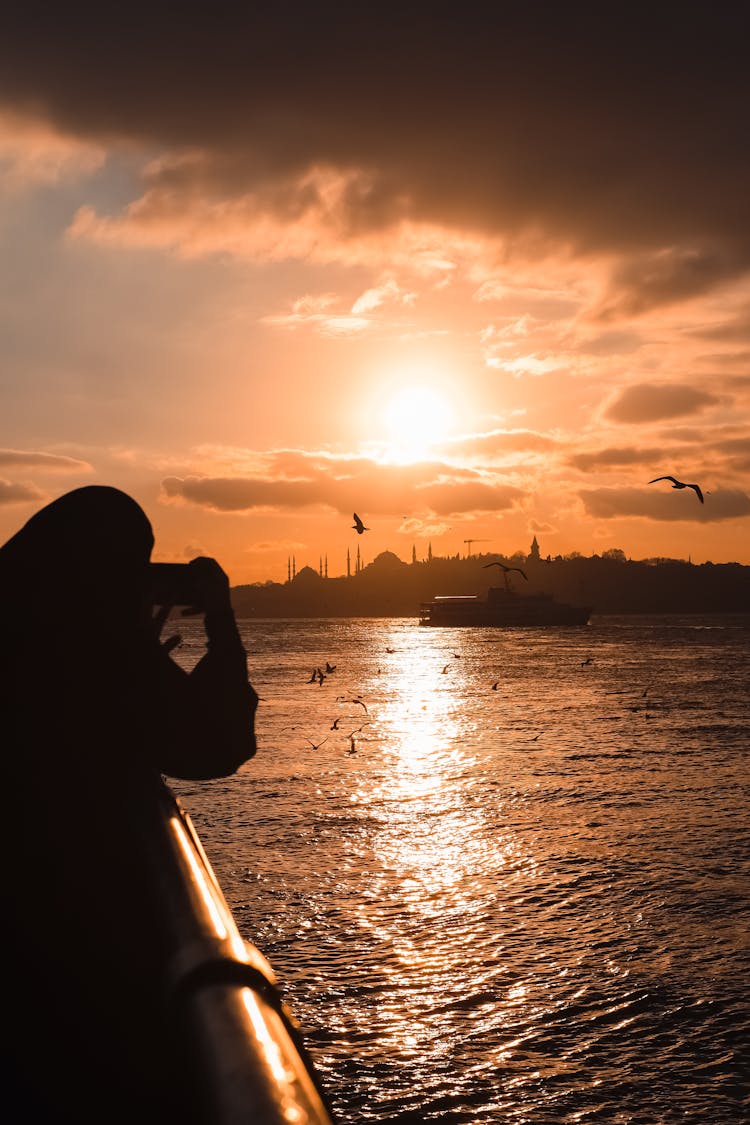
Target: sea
<point>502,874</point>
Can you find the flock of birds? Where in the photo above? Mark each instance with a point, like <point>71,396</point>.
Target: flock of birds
<point>319,676</point>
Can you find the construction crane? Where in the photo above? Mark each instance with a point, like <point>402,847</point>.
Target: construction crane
<point>469,542</point>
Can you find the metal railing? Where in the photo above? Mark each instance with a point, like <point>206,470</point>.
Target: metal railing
<point>247,1061</point>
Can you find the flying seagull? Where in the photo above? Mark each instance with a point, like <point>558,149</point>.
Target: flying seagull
<point>358,526</point>
<point>505,568</point>
<point>680,484</point>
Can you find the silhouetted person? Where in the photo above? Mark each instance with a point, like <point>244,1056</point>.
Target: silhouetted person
<point>93,710</point>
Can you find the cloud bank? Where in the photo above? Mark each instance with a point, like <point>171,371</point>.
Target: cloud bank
<point>612,503</point>
<point>623,134</point>
<point>295,480</point>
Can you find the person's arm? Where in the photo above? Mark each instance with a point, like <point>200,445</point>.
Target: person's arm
<point>209,722</point>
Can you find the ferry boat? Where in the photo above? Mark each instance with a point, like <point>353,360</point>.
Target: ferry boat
<point>501,607</point>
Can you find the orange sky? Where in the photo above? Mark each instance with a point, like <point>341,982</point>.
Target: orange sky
<point>477,281</point>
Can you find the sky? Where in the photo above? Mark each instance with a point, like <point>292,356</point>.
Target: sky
<point>478,278</point>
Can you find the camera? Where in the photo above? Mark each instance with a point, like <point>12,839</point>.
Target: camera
<point>173,584</point>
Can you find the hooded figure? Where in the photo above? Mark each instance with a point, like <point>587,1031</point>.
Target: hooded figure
<point>93,710</point>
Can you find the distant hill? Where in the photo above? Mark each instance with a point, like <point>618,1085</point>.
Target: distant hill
<point>389,587</point>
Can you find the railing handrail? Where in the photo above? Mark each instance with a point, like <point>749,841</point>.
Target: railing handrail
<point>244,1046</point>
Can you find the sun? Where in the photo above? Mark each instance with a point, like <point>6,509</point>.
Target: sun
<point>416,419</point>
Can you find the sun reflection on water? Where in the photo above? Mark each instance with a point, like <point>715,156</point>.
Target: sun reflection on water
<point>432,845</point>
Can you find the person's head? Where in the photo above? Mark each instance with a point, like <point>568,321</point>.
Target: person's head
<point>82,556</point>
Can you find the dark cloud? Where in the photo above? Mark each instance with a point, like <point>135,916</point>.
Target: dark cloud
<point>29,459</point>
<point>12,493</point>
<point>622,127</point>
<point>614,457</point>
<point>237,494</point>
<point>666,277</point>
<point>612,503</point>
<point>365,486</point>
<point>652,402</point>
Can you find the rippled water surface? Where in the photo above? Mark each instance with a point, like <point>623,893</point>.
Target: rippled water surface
<point>526,904</point>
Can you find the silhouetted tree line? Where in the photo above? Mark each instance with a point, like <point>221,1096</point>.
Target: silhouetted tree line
<point>608,583</point>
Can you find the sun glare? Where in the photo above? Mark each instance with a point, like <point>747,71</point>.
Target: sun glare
<point>416,418</point>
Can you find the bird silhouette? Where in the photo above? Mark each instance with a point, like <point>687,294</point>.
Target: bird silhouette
<point>313,676</point>
<point>588,660</point>
<point>330,668</point>
<point>358,526</point>
<point>495,685</point>
<point>505,568</point>
<point>445,669</point>
<point>316,746</point>
<point>681,484</point>
<point>335,723</point>
<point>352,744</point>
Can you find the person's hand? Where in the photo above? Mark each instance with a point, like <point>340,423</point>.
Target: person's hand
<point>211,586</point>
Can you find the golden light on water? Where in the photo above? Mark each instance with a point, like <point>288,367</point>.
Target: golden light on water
<point>434,838</point>
<point>441,859</point>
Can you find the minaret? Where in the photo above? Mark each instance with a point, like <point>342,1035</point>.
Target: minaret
<point>289,568</point>
<point>359,560</point>
<point>413,554</point>
<point>429,552</point>
<point>320,565</point>
<point>326,566</point>
<point>534,552</point>
<point>348,564</point>
<point>294,567</point>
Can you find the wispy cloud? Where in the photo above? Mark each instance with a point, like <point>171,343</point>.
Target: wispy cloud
<point>32,458</point>
<point>319,312</point>
<point>498,442</point>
